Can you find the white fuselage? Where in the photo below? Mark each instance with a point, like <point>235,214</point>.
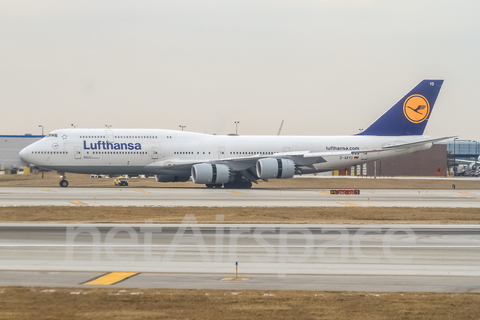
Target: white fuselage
<point>156,151</point>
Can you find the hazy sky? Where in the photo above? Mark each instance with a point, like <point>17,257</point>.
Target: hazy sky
<point>325,67</point>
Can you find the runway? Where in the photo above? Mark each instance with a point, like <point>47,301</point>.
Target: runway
<point>254,282</point>
<point>225,198</point>
<point>300,257</point>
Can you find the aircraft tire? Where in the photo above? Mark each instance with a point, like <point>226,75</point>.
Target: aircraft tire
<point>218,186</point>
<point>247,184</point>
<point>209,186</point>
<point>63,183</point>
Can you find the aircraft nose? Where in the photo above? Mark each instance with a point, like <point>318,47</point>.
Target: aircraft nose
<point>24,154</point>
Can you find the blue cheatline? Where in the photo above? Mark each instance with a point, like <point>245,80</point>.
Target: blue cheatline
<point>20,136</point>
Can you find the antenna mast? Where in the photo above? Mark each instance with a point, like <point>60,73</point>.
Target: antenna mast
<point>279,130</point>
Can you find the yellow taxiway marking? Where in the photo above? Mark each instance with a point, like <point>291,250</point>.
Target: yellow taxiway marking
<point>77,202</point>
<point>48,190</point>
<point>465,192</point>
<point>233,191</point>
<point>348,204</point>
<point>141,191</point>
<point>110,278</point>
<point>324,192</point>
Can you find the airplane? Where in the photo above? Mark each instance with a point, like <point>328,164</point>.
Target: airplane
<point>467,167</point>
<point>232,161</point>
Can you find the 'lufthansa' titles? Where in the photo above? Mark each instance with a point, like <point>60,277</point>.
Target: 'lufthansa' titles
<point>104,145</point>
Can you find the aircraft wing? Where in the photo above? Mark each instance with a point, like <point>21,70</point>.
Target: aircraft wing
<point>241,163</point>
<point>301,158</point>
<point>235,164</point>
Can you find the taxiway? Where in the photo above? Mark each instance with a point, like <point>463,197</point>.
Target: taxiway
<point>225,198</point>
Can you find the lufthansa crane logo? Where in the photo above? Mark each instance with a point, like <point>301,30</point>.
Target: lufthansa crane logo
<point>416,108</point>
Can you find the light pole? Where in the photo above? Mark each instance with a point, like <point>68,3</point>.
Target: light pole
<point>236,126</point>
<point>476,155</point>
<point>74,126</point>
<point>108,126</point>
<point>454,158</point>
<point>182,127</point>
<point>42,128</point>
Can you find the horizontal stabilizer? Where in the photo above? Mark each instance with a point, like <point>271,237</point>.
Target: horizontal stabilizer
<point>411,144</point>
<point>382,149</point>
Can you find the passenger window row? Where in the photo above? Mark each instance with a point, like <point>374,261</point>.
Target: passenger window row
<point>252,153</point>
<point>136,137</point>
<point>231,152</point>
<point>118,152</point>
<point>119,137</point>
<point>49,152</point>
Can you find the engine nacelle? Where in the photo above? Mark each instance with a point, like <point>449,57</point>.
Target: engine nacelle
<point>271,168</point>
<point>206,173</point>
<point>171,178</point>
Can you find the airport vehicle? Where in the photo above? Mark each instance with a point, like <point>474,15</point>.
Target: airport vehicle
<point>469,168</point>
<point>235,161</point>
<point>97,176</point>
<point>121,181</point>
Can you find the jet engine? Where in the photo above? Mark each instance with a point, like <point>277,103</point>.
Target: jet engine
<point>206,173</point>
<point>171,178</point>
<point>271,168</point>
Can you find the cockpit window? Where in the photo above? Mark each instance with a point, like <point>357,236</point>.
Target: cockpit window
<point>53,135</point>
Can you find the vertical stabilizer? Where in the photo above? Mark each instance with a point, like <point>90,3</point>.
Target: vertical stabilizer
<point>410,115</point>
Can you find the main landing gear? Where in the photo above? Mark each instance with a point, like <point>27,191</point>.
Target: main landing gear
<point>63,180</point>
<point>236,184</point>
<point>212,186</point>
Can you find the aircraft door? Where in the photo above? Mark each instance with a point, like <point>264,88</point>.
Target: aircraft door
<point>78,153</point>
<point>364,156</point>
<point>154,152</point>
<point>221,153</point>
<point>109,135</point>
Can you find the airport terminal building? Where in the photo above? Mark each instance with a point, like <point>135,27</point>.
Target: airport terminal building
<point>437,161</point>
<point>462,149</point>
<point>432,162</point>
<point>10,146</point>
